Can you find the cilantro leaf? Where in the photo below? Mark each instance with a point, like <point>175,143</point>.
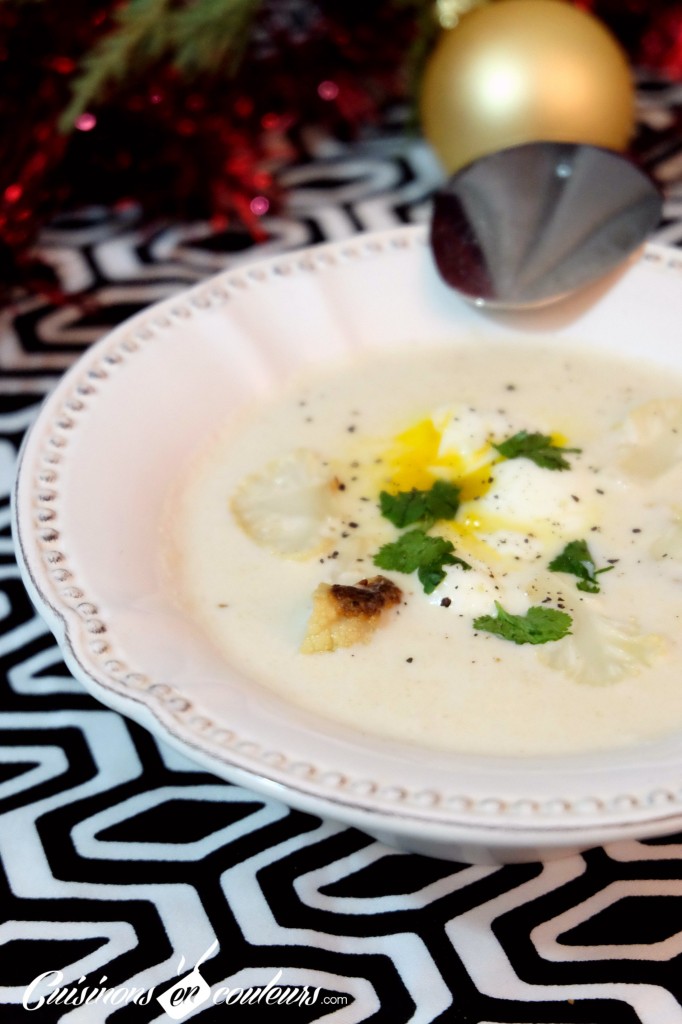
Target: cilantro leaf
<point>416,552</point>
<point>405,508</point>
<point>577,560</point>
<point>539,448</point>
<point>539,625</point>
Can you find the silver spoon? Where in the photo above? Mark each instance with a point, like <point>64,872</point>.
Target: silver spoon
<point>528,225</point>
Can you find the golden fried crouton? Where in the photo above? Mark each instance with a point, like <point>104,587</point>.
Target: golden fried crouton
<point>343,616</point>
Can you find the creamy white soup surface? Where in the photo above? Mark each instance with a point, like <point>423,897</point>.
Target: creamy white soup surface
<point>520,505</point>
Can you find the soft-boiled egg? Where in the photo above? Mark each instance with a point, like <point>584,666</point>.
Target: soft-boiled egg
<point>510,505</point>
<point>530,498</point>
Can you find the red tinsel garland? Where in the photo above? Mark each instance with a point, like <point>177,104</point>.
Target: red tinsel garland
<point>182,149</point>
<point>649,30</point>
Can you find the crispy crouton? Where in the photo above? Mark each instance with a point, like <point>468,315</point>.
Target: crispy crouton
<point>343,615</point>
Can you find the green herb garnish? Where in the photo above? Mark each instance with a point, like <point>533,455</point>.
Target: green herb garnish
<point>416,552</point>
<point>405,508</point>
<point>538,626</point>
<point>577,560</point>
<point>539,448</point>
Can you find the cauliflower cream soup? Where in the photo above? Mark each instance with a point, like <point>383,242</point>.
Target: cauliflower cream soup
<point>473,549</point>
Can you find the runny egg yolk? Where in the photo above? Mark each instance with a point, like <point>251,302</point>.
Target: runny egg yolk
<point>415,460</point>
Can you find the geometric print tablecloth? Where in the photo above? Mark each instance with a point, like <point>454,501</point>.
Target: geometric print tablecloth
<point>122,864</point>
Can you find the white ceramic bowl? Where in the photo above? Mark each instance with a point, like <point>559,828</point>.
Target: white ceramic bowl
<point>108,446</point>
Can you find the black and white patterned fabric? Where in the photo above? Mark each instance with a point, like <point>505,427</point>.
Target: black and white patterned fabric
<point>123,864</point>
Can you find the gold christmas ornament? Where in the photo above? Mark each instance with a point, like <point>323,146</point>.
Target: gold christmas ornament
<point>516,71</point>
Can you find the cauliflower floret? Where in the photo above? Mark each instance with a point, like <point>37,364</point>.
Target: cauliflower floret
<point>601,649</point>
<point>653,438</point>
<point>287,506</point>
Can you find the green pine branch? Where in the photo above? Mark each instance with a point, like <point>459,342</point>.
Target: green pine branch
<point>203,36</point>
<point>211,35</point>
<point>427,30</point>
<point>139,35</point>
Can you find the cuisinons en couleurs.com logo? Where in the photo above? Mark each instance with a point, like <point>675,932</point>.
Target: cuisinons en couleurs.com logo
<point>189,992</point>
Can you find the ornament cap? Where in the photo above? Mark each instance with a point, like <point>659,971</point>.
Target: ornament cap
<point>450,12</point>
